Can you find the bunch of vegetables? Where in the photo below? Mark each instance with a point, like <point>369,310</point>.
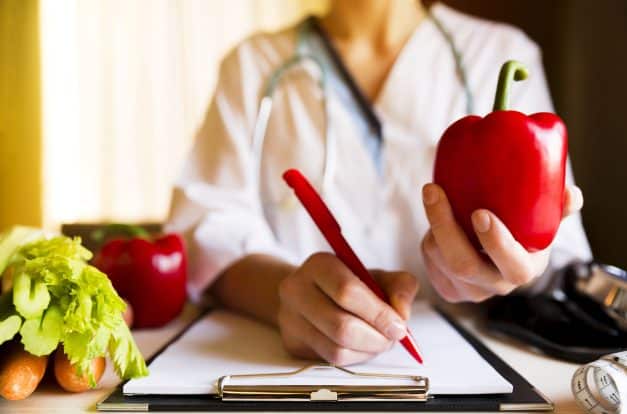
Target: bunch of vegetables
<point>53,300</point>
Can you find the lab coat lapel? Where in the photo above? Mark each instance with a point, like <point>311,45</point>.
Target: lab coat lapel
<point>423,79</point>
<point>405,86</point>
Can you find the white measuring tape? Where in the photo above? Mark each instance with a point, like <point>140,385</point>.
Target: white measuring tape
<point>600,387</point>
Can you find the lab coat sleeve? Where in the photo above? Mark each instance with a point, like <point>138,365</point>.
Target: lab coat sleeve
<point>215,203</point>
<point>530,96</point>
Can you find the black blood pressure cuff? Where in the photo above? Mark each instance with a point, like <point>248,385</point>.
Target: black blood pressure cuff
<point>559,322</point>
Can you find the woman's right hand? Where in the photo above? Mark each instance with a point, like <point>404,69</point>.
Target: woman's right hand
<point>327,312</point>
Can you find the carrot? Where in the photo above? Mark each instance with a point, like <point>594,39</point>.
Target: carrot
<point>68,377</point>
<point>20,372</point>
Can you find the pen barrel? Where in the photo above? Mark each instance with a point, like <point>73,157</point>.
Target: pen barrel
<point>346,254</point>
<point>350,259</point>
<point>332,232</point>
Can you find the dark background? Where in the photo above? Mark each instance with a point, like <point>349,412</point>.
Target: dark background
<point>584,45</point>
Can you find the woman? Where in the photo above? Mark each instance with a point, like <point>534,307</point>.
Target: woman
<point>394,88</point>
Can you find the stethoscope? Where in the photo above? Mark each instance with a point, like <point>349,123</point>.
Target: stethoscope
<point>265,109</point>
<point>301,57</point>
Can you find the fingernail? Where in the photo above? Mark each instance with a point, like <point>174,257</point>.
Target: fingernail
<point>481,221</point>
<point>396,331</point>
<point>400,302</point>
<point>578,197</point>
<point>430,195</point>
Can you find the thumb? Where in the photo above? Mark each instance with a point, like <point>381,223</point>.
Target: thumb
<point>401,288</point>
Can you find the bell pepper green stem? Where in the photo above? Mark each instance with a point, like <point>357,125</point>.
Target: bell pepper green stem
<point>510,71</point>
<point>113,229</point>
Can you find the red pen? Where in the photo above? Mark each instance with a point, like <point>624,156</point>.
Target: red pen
<point>332,232</point>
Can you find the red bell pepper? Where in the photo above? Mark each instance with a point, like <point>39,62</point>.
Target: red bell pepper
<point>150,274</point>
<point>509,163</point>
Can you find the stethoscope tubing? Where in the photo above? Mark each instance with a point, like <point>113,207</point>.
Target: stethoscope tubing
<point>265,110</point>
<point>299,58</point>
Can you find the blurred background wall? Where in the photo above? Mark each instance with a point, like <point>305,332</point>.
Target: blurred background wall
<point>124,85</point>
<point>20,113</point>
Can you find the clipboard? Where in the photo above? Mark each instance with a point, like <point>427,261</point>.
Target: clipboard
<point>307,393</point>
<point>415,397</point>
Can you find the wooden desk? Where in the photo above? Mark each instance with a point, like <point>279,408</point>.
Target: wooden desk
<point>552,377</point>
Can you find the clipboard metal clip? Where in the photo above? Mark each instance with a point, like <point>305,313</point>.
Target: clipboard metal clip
<point>228,391</point>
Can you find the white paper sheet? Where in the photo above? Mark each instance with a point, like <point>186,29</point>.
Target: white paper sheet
<point>223,343</point>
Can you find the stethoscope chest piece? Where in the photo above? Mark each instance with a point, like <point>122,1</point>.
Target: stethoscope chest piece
<point>607,286</point>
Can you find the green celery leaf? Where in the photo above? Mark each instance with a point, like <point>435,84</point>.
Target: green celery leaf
<point>61,246</point>
<point>78,316</point>
<point>9,327</point>
<point>10,321</point>
<point>127,359</point>
<point>12,240</point>
<point>81,349</point>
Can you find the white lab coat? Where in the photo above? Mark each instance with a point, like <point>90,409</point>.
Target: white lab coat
<point>216,201</point>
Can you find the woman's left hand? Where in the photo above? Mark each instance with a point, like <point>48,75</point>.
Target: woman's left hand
<point>455,268</point>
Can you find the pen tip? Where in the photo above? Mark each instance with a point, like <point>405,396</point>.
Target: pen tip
<point>412,348</point>
<point>416,356</point>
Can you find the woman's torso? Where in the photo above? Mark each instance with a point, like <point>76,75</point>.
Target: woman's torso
<point>377,201</point>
